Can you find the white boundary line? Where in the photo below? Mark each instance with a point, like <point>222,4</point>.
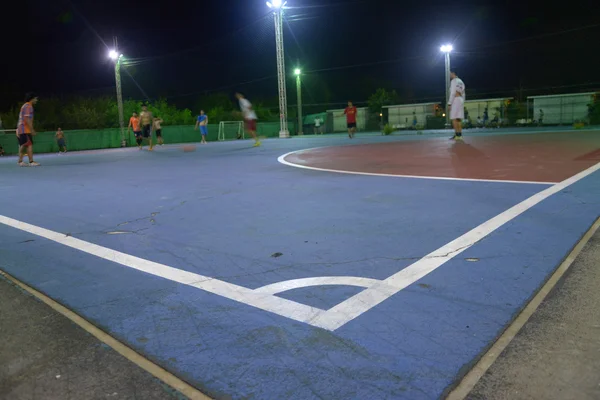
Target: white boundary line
<point>283,161</point>
<point>266,302</point>
<point>189,391</point>
<point>362,302</point>
<point>333,318</point>
<point>467,384</point>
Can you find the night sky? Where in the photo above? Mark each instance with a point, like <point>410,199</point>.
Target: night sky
<point>183,50</point>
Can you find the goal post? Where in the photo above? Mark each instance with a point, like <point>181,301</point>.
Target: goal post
<point>231,130</point>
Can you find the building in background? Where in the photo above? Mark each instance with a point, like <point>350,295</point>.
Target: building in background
<point>403,116</point>
<point>560,109</point>
<point>336,120</point>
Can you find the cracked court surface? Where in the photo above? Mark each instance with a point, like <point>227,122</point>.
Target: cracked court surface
<point>249,277</point>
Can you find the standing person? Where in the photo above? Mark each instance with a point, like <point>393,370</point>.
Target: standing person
<point>25,131</point>
<point>202,122</point>
<point>134,122</point>
<point>350,113</point>
<point>158,129</point>
<point>457,104</point>
<point>318,126</point>
<point>146,122</point>
<point>249,117</point>
<point>60,140</point>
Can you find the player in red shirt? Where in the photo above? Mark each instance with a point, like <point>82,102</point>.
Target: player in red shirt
<point>350,113</point>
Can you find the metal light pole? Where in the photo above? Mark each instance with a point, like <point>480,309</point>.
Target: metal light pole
<point>117,58</point>
<point>277,6</point>
<point>447,49</point>
<point>298,74</point>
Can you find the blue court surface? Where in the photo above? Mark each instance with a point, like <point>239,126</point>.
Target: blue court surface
<point>252,279</point>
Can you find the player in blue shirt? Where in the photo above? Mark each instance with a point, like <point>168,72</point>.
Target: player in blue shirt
<point>203,124</point>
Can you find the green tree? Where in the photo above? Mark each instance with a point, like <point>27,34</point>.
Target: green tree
<point>382,98</point>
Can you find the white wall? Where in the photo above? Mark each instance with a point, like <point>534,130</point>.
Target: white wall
<point>562,109</point>
<point>403,114</point>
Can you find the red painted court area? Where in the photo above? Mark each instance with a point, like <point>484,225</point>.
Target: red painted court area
<point>539,157</point>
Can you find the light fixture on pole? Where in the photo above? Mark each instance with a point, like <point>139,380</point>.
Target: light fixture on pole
<point>277,6</point>
<point>117,58</point>
<point>447,49</point>
<point>298,73</point>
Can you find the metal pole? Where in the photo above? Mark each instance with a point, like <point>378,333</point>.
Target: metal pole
<point>283,130</point>
<point>120,101</point>
<point>119,93</point>
<point>447,59</point>
<point>299,90</point>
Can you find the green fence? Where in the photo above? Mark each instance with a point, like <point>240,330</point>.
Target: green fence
<point>44,142</point>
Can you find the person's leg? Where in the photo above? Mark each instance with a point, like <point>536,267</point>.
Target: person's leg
<point>22,152</point>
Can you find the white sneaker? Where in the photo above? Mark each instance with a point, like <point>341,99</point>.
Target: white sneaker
<point>34,164</point>
<point>22,164</point>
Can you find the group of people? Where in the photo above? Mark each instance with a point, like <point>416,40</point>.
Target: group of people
<point>143,125</point>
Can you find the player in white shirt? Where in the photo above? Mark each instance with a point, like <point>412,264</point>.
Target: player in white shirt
<point>318,126</point>
<point>457,104</point>
<point>249,117</point>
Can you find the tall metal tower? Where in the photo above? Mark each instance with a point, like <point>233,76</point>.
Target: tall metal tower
<point>277,6</point>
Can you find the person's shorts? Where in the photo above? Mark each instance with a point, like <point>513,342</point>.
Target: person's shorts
<point>351,125</point>
<point>251,125</point>
<point>146,131</point>
<point>204,130</point>
<point>137,134</point>
<point>159,133</point>
<point>61,143</point>
<point>25,139</point>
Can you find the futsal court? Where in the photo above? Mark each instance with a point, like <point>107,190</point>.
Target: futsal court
<point>313,267</point>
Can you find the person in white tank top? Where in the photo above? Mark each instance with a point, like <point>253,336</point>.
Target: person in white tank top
<point>457,104</point>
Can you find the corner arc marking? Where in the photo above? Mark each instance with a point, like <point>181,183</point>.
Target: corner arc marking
<point>284,286</point>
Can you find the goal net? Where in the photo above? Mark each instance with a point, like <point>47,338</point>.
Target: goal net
<point>231,130</point>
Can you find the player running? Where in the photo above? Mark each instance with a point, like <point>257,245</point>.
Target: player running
<point>350,113</point>
<point>249,117</point>
<point>146,122</point>
<point>134,122</point>
<point>202,122</point>
<point>25,131</point>
<point>157,128</point>
<point>457,104</point>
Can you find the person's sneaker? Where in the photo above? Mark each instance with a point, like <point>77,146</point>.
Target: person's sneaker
<point>22,164</point>
<point>459,138</point>
<point>34,164</point>
<point>256,144</point>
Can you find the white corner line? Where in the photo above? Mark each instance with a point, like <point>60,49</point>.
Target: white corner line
<point>281,159</point>
<point>362,302</point>
<point>155,370</point>
<point>466,385</point>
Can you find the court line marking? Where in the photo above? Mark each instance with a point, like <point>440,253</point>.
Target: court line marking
<point>333,318</point>
<point>287,308</point>
<point>282,160</point>
<point>124,350</point>
<point>466,385</point>
<point>284,286</point>
<point>362,302</point>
